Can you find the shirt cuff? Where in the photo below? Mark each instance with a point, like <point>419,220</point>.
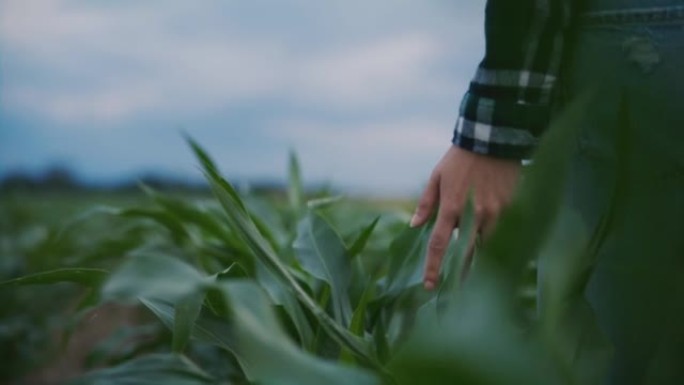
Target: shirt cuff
<point>499,128</point>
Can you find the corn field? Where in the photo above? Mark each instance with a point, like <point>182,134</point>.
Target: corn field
<point>242,289</point>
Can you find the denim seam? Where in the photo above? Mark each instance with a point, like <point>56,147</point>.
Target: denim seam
<point>643,16</point>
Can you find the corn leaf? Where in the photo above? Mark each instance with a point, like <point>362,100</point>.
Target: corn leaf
<point>84,276</point>
<point>269,355</point>
<point>151,369</point>
<point>187,311</point>
<point>239,220</point>
<point>322,253</point>
<point>153,276</point>
<point>362,239</point>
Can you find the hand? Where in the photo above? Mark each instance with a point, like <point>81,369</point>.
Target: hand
<point>490,180</point>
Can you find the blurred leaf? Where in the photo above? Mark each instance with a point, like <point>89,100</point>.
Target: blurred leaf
<point>188,213</point>
<point>83,276</point>
<point>69,226</point>
<point>208,328</point>
<point>187,311</point>
<point>567,320</point>
<point>152,369</point>
<point>526,223</point>
<point>120,344</point>
<point>285,298</point>
<point>322,253</point>
<point>406,259</point>
<point>382,347</point>
<point>172,224</point>
<point>475,343</point>
<point>269,355</point>
<point>456,263</point>
<point>265,232</point>
<point>295,191</point>
<point>153,276</point>
<point>322,203</point>
<point>357,325</point>
<point>361,241</point>
<point>255,337</point>
<point>214,175</point>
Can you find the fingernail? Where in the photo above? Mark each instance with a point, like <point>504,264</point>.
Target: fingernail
<point>429,285</point>
<point>414,221</point>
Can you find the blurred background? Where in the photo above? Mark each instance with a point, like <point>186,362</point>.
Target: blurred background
<point>366,92</point>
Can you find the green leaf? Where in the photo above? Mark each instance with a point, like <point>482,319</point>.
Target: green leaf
<point>566,318</point>
<point>187,311</point>
<point>322,253</point>
<point>295,191</point>
<point>268,355</point>
<point>457,261</point>
<point>406,259</point>
<point>475,342</point>
<point>323,203</point>
<point>172,224</point>
<point>119,345</point>
<point>361,241</point>
<point>382,346</point>
<point>526,223</point>
<point>86,277</point>
<point>357,325</point>
<point>151,369</point>
<point>188,213</point>
<point>214,175</point>
<point>254,336</point>
<point>285,298</point>
<point>207,328</point>
<point>153,276</point>
<point>240,221</point>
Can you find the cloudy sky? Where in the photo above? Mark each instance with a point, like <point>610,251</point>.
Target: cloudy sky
<point>366,91</point>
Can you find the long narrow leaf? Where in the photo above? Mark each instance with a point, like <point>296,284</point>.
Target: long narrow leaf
<point>458,260</point>
<point>295,191</point>
<point>83,276</point>
<point>360,243</point>
<point>240,221</point>
<point>153,276</point>
<point>322,253</point>
<point>187,311</point>
<point>152,369</point>
<point>269,355</point>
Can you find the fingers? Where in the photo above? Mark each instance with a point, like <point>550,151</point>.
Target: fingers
<point>467,261</point>
<point>489,217</point>
<point>485,217</point>
<point>438,244</point>
<point>427,202</point>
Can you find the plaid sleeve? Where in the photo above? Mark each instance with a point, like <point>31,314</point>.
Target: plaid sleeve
<point>507,106</point>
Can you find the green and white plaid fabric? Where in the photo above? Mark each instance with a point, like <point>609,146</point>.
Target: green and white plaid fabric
<point>507,106</point>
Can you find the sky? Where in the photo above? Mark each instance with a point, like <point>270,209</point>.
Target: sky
<point>366,92</point>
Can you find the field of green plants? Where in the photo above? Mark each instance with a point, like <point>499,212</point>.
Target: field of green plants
<point>306,290</point>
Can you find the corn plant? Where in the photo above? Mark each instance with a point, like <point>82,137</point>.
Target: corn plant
<point>298,293</point>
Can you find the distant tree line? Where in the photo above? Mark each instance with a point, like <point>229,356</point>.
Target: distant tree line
<point>62,179</point>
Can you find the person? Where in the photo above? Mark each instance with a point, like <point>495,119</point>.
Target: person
<point>628,163</point>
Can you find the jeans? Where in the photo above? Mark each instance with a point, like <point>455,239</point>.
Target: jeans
<point>627,180</point>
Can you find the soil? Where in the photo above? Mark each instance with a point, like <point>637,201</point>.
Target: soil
<point>95,327</point>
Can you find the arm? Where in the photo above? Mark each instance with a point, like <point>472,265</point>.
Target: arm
<point>502,116</point>
<point>507,105</point>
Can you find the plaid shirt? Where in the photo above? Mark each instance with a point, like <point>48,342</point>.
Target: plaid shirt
<point>507,106</point>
